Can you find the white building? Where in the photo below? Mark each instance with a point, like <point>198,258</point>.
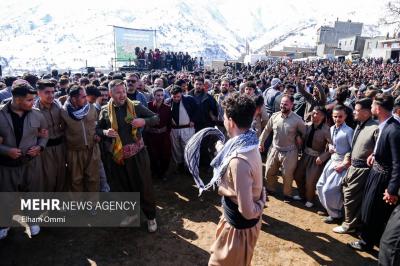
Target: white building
<point>352,44</point>
<point>380,47</point>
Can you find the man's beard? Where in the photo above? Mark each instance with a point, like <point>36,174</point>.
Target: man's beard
<point>285,111</point>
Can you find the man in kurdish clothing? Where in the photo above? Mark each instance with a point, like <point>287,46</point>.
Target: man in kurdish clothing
<point>157,137</point>
<point>383,183</point>
<point>53,157</point>
<point>353,183</point>
<point>83,153</point>
<point>20,161</point>
<point>119,123</point>
<point>315,155</point>
<point>238,170</point>
<point>184,118</point>
<point>285,126</point>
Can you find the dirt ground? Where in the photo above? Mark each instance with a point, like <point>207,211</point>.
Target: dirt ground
<point>291,235</point>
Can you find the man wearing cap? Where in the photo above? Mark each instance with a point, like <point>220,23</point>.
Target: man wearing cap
<point>353,183</point>
<point>286,127</point>
<point>53,157</point>
<point>119,124</point>
<point>132,93</point>
<point>83,154</point>
<point>158,139</point>
<point>20,161</point>
<point>271,93</point>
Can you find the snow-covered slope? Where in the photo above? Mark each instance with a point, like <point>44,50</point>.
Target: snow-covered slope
<point>42,34</point>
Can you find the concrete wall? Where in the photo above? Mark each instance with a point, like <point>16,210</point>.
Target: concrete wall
<point>323,49</point>
<point>342,29</point>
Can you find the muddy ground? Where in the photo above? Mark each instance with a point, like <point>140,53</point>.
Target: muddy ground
<point>291,235</point>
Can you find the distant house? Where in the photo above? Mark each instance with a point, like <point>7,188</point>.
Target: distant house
<point>300,52</point>
<point>372,47</point>
<point>328,37</point>
<point>352,44</point>
<point>383,48</point>
<point>326,49</point>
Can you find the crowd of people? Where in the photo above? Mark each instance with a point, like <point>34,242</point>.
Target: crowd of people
<point>159,59</point>
<point>331,127</point>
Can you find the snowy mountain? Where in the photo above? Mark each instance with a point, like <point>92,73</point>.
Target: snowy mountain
<point>43,34</point>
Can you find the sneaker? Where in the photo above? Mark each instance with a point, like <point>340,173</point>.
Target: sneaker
<point>128,220</point>
<point>4,233</point>
<point>341,230</point>
<point>297,198</point>
<point>35,229</point>
<point>152,225</point>
<point>309,204</point>
<point>360,246</point>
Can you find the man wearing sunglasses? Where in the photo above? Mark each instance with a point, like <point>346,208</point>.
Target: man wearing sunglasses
<point>132,93</point>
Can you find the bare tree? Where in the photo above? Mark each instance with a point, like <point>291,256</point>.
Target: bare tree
<point>392,16</point>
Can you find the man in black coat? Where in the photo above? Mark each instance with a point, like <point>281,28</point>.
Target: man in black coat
<point>208,111</point>
<point>381,189</point>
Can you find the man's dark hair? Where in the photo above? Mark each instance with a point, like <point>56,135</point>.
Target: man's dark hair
<point>74,90</point>
<point>22,89</point>
<point>290,97</point>
<point>365,103</point>
<point>9,80</point>
<point>371,93</point>
<point>45,83</point>
<point>32,79</point>
<point>199,79</point>
<point>63,81</point>
<point>180,82</point>
<point>84,81</point>
<point>241,109</point>
<point>290,86</point>
<point>339,107</point>
<point>259,100</point>
<point>103,88</point>
<point>321,109</point>
<point>54,73</point>
<point>250,84</point>
<point>385,101</point>
<point>342,93</point>
<point>176,89</point>
<point>92,90</point>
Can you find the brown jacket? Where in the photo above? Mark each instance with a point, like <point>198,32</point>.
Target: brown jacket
<point>80,134</point>
<point>34,121</point>
<point>322,137</point>
<point>54,121</point>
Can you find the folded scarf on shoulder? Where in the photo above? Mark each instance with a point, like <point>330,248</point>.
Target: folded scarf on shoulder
<point>117,148</point>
